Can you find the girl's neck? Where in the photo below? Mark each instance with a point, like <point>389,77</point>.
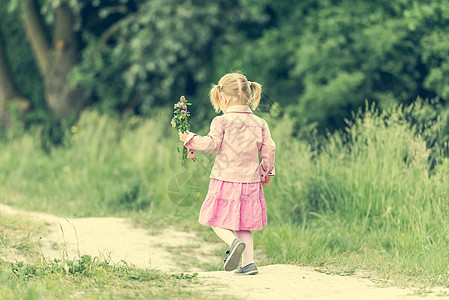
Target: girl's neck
<point>233,105</point>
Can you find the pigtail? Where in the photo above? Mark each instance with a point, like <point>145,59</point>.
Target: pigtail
<point>256,94</point>
<point>238,89</point>
<point>214,96</point>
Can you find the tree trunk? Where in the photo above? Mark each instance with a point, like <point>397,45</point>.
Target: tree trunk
<point>9,93</point>
<point>55,59</point>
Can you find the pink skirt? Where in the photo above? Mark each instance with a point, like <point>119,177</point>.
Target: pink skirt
<point>234,205</point>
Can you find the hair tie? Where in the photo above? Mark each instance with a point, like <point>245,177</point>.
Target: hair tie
<point>220,87</point>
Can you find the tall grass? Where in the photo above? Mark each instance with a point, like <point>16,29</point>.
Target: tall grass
<point>374,196</point>
<point>105,166</point>
<point>369,197</point>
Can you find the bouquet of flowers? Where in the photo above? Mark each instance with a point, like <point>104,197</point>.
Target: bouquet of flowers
<point>179,121</point>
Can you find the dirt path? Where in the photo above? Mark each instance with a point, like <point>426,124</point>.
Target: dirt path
<point>116,239</point>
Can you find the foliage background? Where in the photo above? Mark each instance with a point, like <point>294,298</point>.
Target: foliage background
<point>319,60</point>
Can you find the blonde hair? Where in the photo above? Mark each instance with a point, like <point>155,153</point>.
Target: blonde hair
<point>236,85</point>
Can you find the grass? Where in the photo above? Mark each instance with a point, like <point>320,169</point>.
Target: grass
<point>373,197</point>
<point>18,236</point>
<point>368,199</point>
<point>89,278</point>
<point>104,167</point>
<point>85,277</point>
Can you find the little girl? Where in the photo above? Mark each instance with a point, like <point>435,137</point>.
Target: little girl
<point>235,204</point>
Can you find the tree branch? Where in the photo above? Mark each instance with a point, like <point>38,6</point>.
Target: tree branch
<point>64,35</point>
<point>110,32</point>
<point>8,89</point>
<point>9,93</point>
<point>36,33</point>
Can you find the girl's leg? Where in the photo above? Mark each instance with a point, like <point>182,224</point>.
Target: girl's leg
<point>248,255</point>
<point>226,235</point>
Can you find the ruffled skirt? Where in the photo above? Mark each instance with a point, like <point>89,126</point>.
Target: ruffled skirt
<point>234,205</point>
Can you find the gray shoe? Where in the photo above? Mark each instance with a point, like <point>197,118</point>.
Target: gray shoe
<point>234,254</point>
<point>249,269</point>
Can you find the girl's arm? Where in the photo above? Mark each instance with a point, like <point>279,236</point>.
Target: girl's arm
<point>209,143</point>
<point>267,153</point>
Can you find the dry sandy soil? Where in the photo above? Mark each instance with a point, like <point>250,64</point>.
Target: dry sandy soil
<point>116,239</point>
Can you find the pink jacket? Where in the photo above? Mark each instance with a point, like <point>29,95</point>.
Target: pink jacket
<point>238,137</point>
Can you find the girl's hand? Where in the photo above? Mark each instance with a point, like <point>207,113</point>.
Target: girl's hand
<point>183,136</point>
<point>267,180</point>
